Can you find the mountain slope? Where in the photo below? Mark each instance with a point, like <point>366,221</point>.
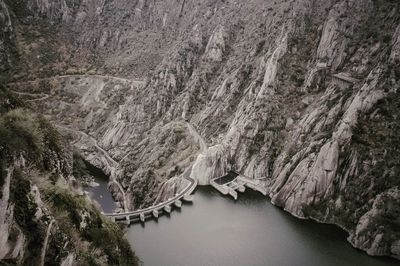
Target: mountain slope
<point>45,218</point>
<point>300,94</point>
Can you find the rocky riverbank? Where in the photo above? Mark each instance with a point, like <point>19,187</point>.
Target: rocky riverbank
<point>300,93</point>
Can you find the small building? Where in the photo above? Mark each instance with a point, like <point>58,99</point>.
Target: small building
<point>344,80</point>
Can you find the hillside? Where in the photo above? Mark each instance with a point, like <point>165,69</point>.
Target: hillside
<point>300,94</point>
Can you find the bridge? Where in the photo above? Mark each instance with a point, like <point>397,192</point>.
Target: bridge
<point>156,210</point>
<point>166,206</point>
<point>236,182</point>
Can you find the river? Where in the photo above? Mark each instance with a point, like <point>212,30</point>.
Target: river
<point>101,194</point>
<point>216,230</point>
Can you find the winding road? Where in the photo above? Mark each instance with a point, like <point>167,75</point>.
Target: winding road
<point>111,163</point>
<point>92,139</point>
<point>197,137</point>
<point>123,194</point>
<point>188,190</point>
<point>109,159</point>
<point>115,164</point>
<point>44,96</point>
<point>81,76</point>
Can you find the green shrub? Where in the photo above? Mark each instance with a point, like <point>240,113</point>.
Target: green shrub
<point>2,177</point>
<point>51,137</point>
<point>24,206</point>
<point>18,7</point>
<point>114,237</point>
<point>99,232</point>
<point>79,168</point>
<point>62,200</point>
<point>8,262</point>
<point>8,101</point>
<point>24,214</point>
<point>19,132</point>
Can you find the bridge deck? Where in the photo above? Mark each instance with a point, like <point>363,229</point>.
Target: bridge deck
<point>238,183</point>
<point>127,216</point>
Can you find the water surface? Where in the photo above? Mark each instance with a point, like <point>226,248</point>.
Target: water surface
<point>102,195</point>
<point>216,230</point>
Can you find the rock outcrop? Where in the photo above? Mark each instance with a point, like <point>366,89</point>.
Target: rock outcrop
<point>210,164</point>
<point>302,94</point>
<point>371,237</point>
<point>44,216</point>
<point>6,38</point>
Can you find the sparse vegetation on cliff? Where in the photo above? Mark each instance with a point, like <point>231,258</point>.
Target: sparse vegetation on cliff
<point>36,170</point>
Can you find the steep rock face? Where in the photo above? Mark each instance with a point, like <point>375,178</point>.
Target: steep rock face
<point>333,46</point>
<point>6,217</point>
<point>385,204</point>
<point>310,181</point>
<point>45,218</point>
<point>54,10</point>
<point>280,91</point>
<point>37,224</point>
<point>216,45</point>
<point>395,54</point>
<point>6,38</point>
<point>210,164</point>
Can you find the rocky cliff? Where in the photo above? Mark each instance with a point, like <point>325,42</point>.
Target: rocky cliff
<point>302,95</point>
<point>45,218</point>
<point>6,38</point>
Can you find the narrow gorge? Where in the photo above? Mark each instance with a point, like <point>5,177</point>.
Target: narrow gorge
<point>300,97</point>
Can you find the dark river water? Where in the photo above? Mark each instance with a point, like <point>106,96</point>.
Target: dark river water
<point>102,195</point>
<point>216,230</point>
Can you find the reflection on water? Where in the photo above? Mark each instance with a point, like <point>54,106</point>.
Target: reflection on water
<point>216,230</point>
<point>102,195</point>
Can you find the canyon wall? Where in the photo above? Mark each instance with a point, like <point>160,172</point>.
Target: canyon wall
<point>302,95</point>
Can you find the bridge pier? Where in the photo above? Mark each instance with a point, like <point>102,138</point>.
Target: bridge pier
<point>155,214</point>
<point>188,198</point>
<point>155,210</point>
<point>178,203</point>
<point>142,217</point>
<point>167,208</point>
<point>233,193</point>
<point>221,189</point>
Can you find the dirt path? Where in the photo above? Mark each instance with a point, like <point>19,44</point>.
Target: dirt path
<point>106,154</point>
<point>123,194</point>
<point>43,96</point>
<point>112,167</point>
<point>137,82</point>
<point>46,240</point>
